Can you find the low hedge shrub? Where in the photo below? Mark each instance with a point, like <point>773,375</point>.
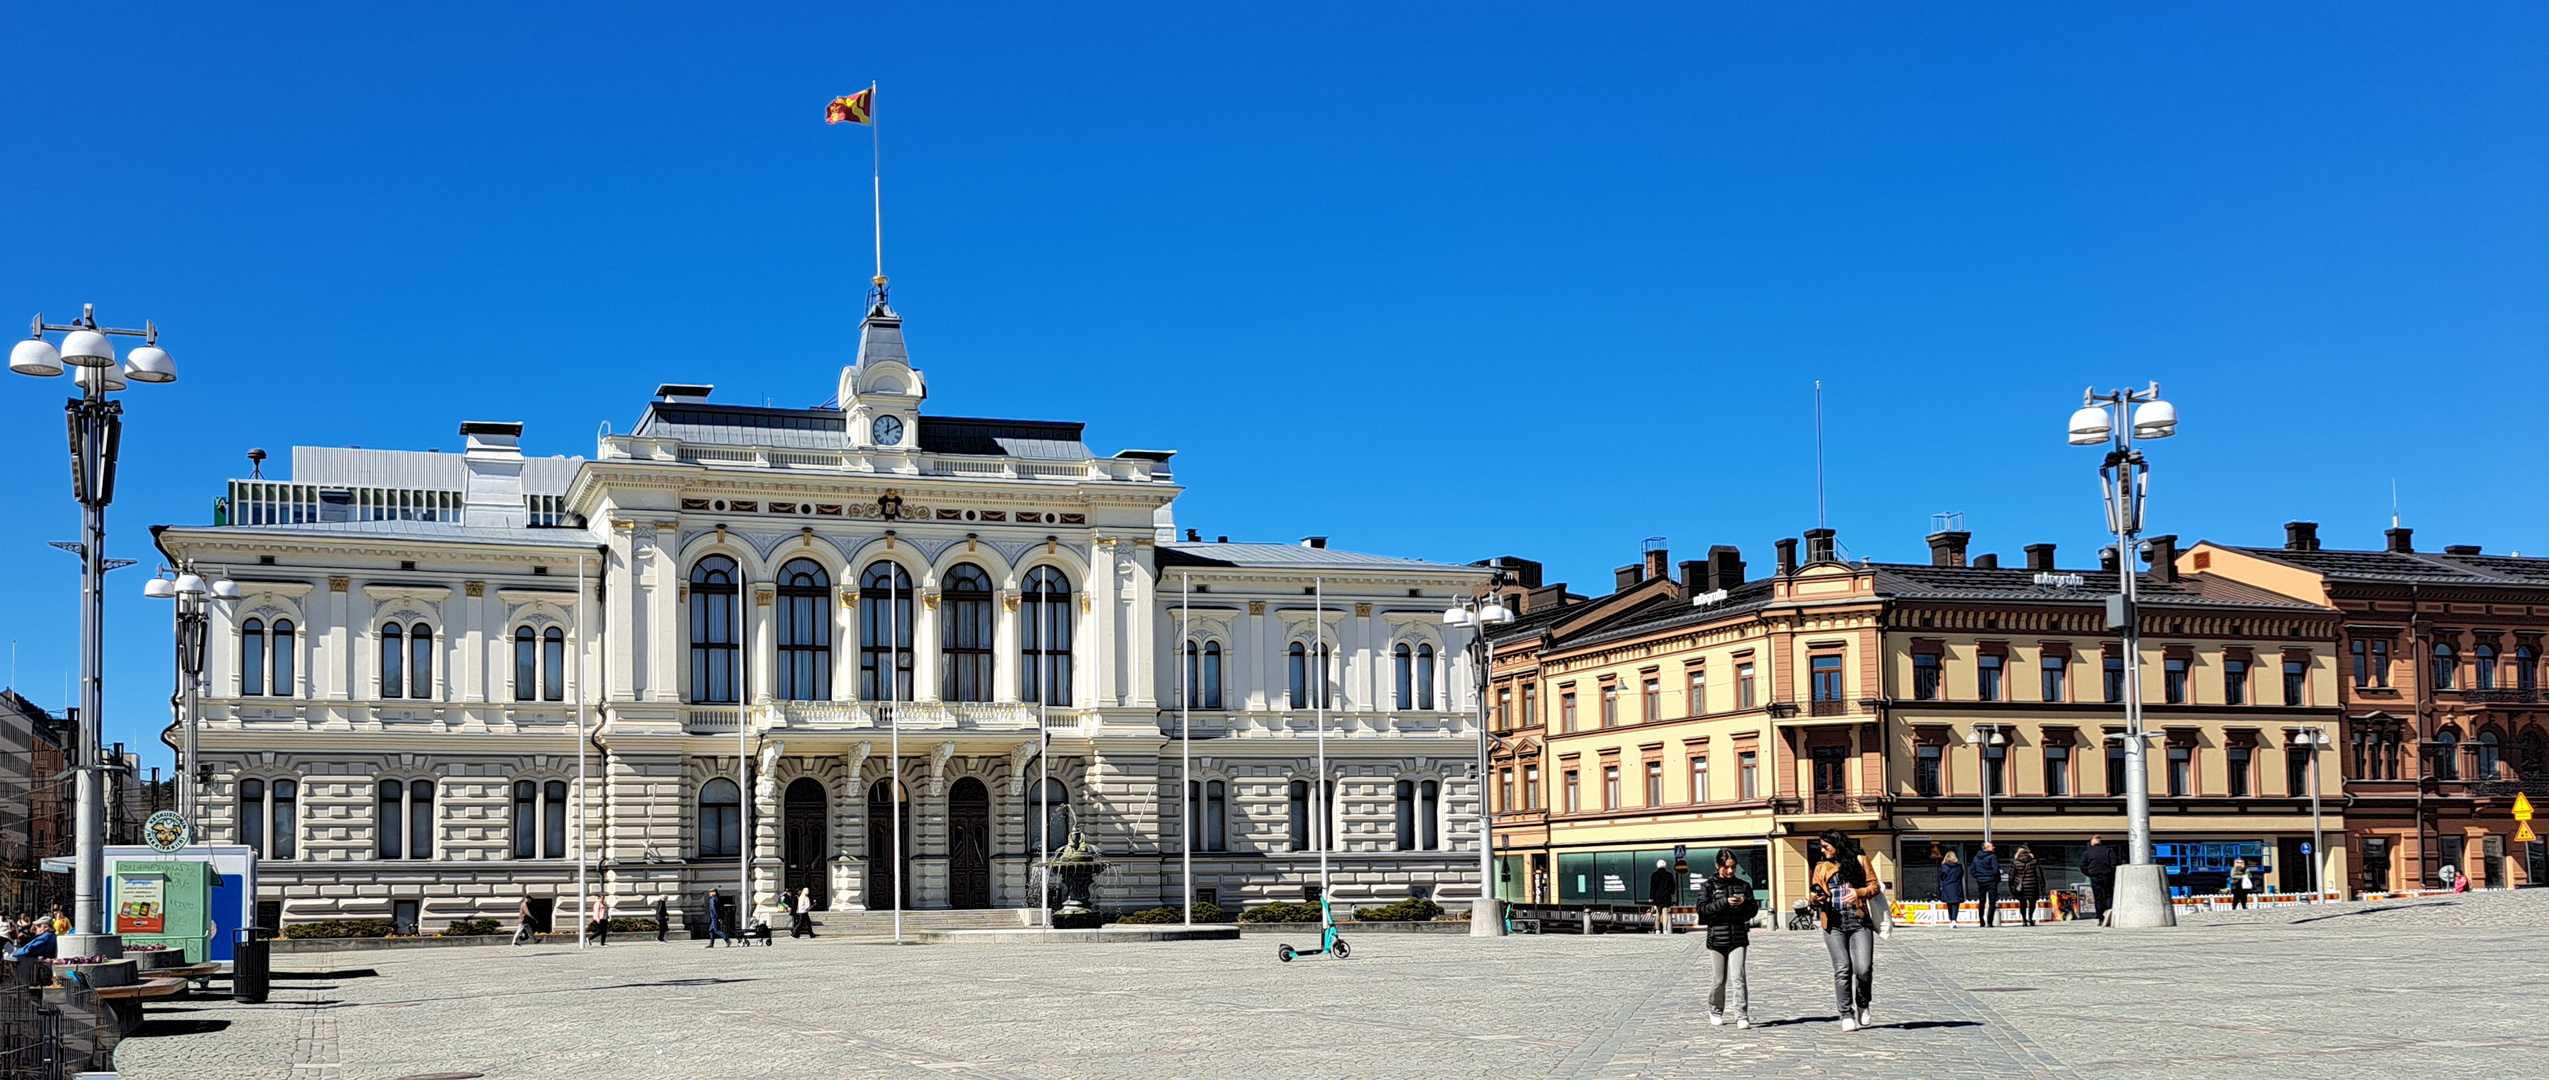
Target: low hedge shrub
<point>1412,909</point>
<point>1282,911</point>
<point>472,927</point>
<point>341,928</point>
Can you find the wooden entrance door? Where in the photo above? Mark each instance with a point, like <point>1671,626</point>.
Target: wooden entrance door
<point>806,845</point>
<point>969,844</point>
<point>883,874</point>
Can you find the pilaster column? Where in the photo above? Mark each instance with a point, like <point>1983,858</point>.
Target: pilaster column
<point>925,645</point>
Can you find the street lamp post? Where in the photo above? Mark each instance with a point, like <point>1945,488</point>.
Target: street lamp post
<point>96,427</point>
<point>194,597</point>
<point>2315,739</point>
<point>2116,418</point>
<point>1983,738</point>
<point>1482,616</point>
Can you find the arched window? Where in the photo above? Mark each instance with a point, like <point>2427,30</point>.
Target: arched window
<point>2483,668</point>
<point>1309,680</point>
<point>1212,675</point>
<point>553,664</point>
<point>1203,674</point>
<point>526,817</point>
<point>2490,753</point>
<point>389,825</point>
<point>965,634</point>
<point>526,664</point>
<point>1429,812</point>
<point>1044,638</point>
<point>1297,675</point>
<point>1207,806</point>
<point>1425,678</point>
<point>805,632</point>
<point>420,661</point>
<point>252,658</point>
<point>720,819</point>
<point>553,819</point>
<point>885,633</point>
<point>1403,665</point>
<point>1404,812</point>
<point>281,684</point>
<point>2445,659</point>
<point>393,652</point>
<point>539,819</point>
<point>714,678</point>
<point>1048,813</point>
<point>404,824</point>
<point>420,819</point>
<point>2447,755</point>
<point>267,816</point>
<point>1296,815</point>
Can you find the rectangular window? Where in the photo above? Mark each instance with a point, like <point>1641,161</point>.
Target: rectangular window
<point>1987,670</point>
<point>2115,768</point>
<point>2181,771</point>
<point>1655,783</point>
<point>2053,667</point>
<point>1504,708</point>
<point>2362,663</point>
<point>1925,769</point>
<point>1825,672</point>
<point>2241,760</point>
<point>1925,676</point>
<point>1530,704</point>
<point>2173,684</point>
<point>1651,701</point>
<point>1996,769</point>
<point>2057,770</point>
<point>1748,775</point>
<point>1531,787</point>
<point>1566,712</point>
<point>1611,787</point>
<point>1743,685</point>
<point>1696,700</point>
<point>1575,796</point>
<point>2234,682</point>
<point>1504,792</point>
<point>2296,772</point>
<point>2296,682</point>
<point>1699,780</point>
<point>1610,705</point>
<point>2381,663</point>
<point>2114,679</point>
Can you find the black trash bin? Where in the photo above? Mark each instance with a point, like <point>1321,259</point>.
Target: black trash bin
<point>251,966</point>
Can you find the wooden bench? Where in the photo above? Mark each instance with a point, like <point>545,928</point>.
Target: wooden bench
<point>152,988</point>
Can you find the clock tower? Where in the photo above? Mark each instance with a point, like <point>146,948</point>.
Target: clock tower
<point>882,392</point>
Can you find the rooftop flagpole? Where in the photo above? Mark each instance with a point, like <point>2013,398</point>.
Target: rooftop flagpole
<point>876,158</point>
<point>1186,734</point>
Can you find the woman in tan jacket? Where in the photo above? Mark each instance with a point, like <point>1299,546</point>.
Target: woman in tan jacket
<point>1843,886</point>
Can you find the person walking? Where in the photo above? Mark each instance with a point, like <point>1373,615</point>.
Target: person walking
<point>1987,885</point>
<point>522,921</point>
<point>599,928</point>
<point>2027,879</point>
<point>716,924</point>
<point>1843,882</point>
<point>1726,908</point>
<point>1661,888</point>
<point>663,919</point>
<point>803,923</point>
<point>2238,884</point>
<point>2099,864</point>
<point>1951,885</point>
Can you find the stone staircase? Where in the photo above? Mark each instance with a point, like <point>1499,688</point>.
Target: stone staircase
<point>882,922</point>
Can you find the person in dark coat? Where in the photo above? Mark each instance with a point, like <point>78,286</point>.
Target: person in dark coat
<point>1987,885</point>
<point>1661,888</point>
<point>716,923</point>
<point>663,918</point>
<point>1951,885</point>
<point>2027,878</point>
<point>2099,865</point>
<point>1726,907</point>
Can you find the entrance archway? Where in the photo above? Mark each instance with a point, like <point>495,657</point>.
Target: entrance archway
<point>969,844</point>
<point>882,872</point>
<point>806,837</point>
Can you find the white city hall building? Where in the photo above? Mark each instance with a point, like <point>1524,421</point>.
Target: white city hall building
<point>771,598</point>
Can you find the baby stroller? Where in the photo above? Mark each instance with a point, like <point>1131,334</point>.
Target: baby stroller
<point>1802,917</point>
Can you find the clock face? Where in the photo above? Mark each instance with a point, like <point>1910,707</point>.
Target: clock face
<point>887,430</point>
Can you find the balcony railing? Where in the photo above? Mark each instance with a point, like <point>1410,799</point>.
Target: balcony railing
<point>910,715</point>
<point>1827,804</point>
<point>2505,697</point>
<point>1829,707</point>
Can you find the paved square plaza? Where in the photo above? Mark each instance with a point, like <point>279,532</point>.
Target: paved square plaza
<point>2433,987</point>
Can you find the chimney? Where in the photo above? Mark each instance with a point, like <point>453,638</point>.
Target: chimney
<point>1725,567</point>
<point>1820,547</point>
<point>2039,556</point>
<point>1193,537</point>
<point>1694,576</point>
<point>1627,577</point>
<point>1986,562</point>
<point>683,393</point>
<point>2399,539</point>
<point>2163,557</point>
<point>1787,546</point>
<point>2460,549</point>
<point>492,493</point>
<point>2106,559</point>
<point>1545,597</point>
<point>1314,541</point>
<point>1948,548</point>
<point>2301,536</point>
<point>1658,565</point>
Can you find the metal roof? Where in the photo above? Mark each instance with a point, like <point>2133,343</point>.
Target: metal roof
<point>2413,568</point>
<point>416,470</point>
<point>1297,557</point>
<point>440,531</point>
<point>744,425</point>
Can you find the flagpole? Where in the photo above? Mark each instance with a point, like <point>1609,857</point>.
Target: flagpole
<point>876,150</point>
<point>583,778</point>
<point>893,689</point>
<point>1186,733</point>
<point>1317,684</point>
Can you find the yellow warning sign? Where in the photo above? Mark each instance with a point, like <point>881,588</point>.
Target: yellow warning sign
<point>2524,836</point>
<point>2522,807</point>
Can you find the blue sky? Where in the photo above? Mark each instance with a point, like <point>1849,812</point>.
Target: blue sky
<point>1448,280</point>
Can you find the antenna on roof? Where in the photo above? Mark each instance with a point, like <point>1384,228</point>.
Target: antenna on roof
<point>1650,544</point>
<point>1818,456</point>
<point>1947,521</point>
<point>2394,502</point>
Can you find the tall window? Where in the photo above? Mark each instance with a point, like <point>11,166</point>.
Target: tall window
<point>267,816</point>
<point>1611,787</point>
<point>1826,675</point>
<point>393,660</point>
<point>1297,675</point>
<point>1425,678</point>
<point>1748,775</point>
<point>2181,771</point>
<point>1996,769</point>
<point>1207,806</point>
<point>714,678</point>
<point>1044,640</point>
<point>1925,676</point>
<point>282,652</point>
<point>1695,695</point>
<point>526,664</point>
<point>2114,767</point>
<point>1655,783</point>
<point>420,661</point>
<point>2052,668</point>
<point>539,819</point>
<point>2526,668</point>
<point>252,658</point>
<point>1410,815</point>
<point>1699,779</point>
<point>2234,682</point>
<point>885,633</point>
<point>553,664</point>
<point>1650,702</point>
<point>1987,672</point>
<point>2057,770</point>
<point>1504,791</point>
<point>1566,712</point>
<point>2296,772</point>
<point>965,634</point>
<point>2173,680</point>
<point>1504,708</point>
<point>1048,817</point>
<point>1203,674</point>
<point>1610,705</point>
<point>1743,685</point>
<point>1574,793</point>
<point>805,632</point>
<point>2446,659</point>
<point>1926,763</point>
<point>1296,814</point>
<point>1531,787</point>
<point>404,825</point>
<point>1429,815</point>
<point>2296,682</point>
<point>1530,704</point>
<point>2242,760</point>
<point>2114,678</point>
<point>1403,664</point>
<point>2490,754</point>
<point>2482,671</point>
<point>720,818</point>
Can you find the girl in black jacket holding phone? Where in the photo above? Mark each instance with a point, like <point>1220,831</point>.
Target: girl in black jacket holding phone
<point>1726,907</point>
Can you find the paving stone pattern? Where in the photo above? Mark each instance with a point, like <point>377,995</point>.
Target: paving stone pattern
<point>2429,987</point>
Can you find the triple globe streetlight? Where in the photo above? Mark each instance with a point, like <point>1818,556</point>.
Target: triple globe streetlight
<point>1481,615</point>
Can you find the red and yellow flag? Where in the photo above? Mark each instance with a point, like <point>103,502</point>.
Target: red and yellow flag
<point>858,108</point>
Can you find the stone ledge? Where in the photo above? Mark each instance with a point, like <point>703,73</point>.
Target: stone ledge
<point>1112,935</point>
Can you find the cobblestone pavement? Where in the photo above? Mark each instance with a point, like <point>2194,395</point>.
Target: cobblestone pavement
<point>2422,987</point>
